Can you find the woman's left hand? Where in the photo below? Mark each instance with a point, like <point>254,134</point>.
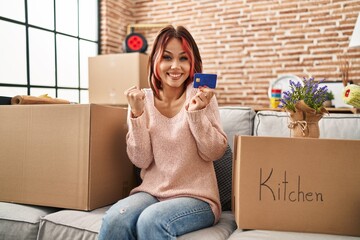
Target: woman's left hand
<point>201,99</point>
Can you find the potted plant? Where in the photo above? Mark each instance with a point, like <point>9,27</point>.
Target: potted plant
<point>329,97</point>
<point>304,103</point>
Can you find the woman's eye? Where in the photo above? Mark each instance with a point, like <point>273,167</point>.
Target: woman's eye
<point>166,57</point>
<point>183,58</point>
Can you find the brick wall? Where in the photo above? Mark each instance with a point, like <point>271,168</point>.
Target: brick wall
<point>248,43</point>
<point>115,17</point>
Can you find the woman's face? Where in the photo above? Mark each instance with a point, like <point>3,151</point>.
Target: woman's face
<point>174,67</point>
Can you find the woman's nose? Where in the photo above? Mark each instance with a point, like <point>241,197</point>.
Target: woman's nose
<point>175,64</point>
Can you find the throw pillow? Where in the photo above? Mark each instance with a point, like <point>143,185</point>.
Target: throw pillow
<point>223,171</point>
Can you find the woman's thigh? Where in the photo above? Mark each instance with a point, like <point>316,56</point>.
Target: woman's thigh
<point>120,220</point>
<point>175,217</point>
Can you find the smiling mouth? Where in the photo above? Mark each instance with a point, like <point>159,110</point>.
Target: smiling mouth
<point>175,75</point>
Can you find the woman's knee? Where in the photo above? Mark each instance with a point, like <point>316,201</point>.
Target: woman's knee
<point>117,225</point>
<point>117,218</point>
<point>120,220</point>
<point>152,225</point>
<point>148,219</point>
<point>176,217</point>
<point>112,216</point>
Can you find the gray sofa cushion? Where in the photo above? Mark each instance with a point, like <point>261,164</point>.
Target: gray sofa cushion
<point>277,235</point>
<point>71,224</point>
<point>339,126</point>
<point>80,225</point>
<point>236,121</point>
<point>21,222</point>
<point>223,171</point>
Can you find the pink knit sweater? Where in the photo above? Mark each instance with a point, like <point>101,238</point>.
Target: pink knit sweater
<point>176,154</point>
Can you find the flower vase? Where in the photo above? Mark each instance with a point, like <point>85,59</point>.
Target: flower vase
<point>305,120</point>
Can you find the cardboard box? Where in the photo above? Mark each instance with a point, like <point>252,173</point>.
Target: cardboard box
<point>110,75</point>
<point>67,156</point>
<point>297,184</point>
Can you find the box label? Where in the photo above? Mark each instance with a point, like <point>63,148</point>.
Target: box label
<point>285,188</point>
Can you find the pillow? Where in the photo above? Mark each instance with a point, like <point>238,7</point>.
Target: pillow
<point>223,171</point>
<point>236,121</point>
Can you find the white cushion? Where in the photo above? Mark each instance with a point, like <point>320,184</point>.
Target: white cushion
<point>271,123</point>
<point>21,222</point>
<point>236,121</point>
<point>343,126</point>
<point>338,126</point>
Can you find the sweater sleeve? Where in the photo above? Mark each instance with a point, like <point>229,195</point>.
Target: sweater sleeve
<point>138,142</point>
<point>206,128</point>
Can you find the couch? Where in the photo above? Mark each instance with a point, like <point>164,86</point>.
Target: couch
<point>18,221</point>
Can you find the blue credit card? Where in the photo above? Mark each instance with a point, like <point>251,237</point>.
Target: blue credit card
<point>205,79</point>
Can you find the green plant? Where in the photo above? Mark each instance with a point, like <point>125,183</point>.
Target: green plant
<point>308,91</point>
<point>330,96</point>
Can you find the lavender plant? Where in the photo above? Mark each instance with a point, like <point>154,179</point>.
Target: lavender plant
<point>309,91</point>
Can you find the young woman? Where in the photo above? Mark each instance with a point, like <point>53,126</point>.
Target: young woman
<point>174,136</point>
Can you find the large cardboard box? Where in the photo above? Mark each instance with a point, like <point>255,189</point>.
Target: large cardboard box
<point>111,74</point>
<point>297,184</point>
<point>67,156</point>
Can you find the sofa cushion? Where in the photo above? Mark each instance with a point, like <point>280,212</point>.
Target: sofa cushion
<point>223,171</point>
<point>236,121</point>
<point>21,222</point>
<point>343,126</point>
<point>277,235</point>
<point>71,224</point>
<point>271,123</point>
<point>334,125</point>
<point>79,225</point>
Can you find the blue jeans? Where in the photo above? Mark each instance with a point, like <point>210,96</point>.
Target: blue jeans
<point>142,216</point>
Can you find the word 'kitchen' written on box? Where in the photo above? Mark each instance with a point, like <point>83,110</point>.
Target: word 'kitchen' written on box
<point>285,189</point>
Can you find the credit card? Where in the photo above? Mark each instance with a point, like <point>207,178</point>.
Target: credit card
<point>205,79</point>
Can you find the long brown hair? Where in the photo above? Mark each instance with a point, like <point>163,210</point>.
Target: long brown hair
<point>189,46</point>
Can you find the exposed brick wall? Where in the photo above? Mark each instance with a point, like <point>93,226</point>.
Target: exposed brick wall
<point>249,43</point>
<point>115,17</point>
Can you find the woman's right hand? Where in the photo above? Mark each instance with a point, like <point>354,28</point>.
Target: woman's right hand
<point>136,100</point>
<point>201,99</point>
